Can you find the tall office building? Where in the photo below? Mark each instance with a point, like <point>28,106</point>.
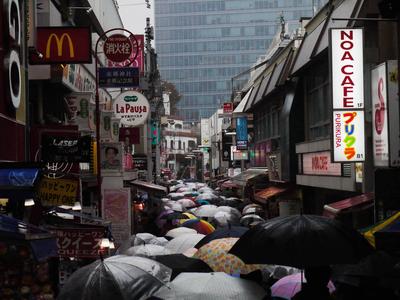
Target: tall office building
<point>202,44</point>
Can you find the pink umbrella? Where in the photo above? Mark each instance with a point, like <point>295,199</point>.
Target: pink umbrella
<point>290,285</point>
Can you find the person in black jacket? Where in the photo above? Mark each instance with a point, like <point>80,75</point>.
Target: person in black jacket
<point>317,284</point>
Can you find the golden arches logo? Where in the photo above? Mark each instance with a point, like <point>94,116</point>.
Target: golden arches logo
<point>59,44</point>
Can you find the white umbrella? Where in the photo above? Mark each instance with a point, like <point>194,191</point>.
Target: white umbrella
<point>224,218</point>
<point>210,286</point>
<point>147,250</point>
<point>186,203</point>
<point>161,241</point>
<point>165,200</point>
<point>177,207</point>
<point>205,189</point>
<point>208,210</point>
<point>183,242</point>
<point>251,207</point>
<point>207,196</point>
<point>173,233</point>
<point>176,196</point>
<point>135,240</point>
<point>231,210</point>
<point>248,219</point>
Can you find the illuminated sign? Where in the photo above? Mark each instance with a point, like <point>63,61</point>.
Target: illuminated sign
<point>241,133</point>
<point>319,163</point>
<point>348,136</point>
<point>54,192</point>
<point>62,45</point>
<point>347,71</point>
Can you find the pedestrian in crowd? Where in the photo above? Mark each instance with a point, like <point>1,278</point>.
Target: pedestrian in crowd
<point>316,286</point>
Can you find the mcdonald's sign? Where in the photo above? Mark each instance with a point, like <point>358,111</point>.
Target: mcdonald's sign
<point>62,45</point>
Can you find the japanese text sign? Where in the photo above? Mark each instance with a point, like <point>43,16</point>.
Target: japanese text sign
<point>79,242</point>
<point>136,59</point>
<point>347,68</point>
<point>132,108</point>
<point>118,47</point>
<point>228,107</point>
<point>319,163</point>
<point>348,136</point>
<point>55,192</point>
<point>62,45</point>
<point>118,77</point>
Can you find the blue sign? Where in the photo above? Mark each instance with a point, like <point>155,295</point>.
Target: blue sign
<point>118,77</point>
<point>241,133</point>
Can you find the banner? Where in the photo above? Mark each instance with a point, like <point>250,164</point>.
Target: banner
<point>55,192</point>
<point>348,136</point>
<point>117,209</point>
<point>105,128</point>
<point>62,45</point>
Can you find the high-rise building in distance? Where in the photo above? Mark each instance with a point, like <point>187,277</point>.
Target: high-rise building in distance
<point>202,44</point>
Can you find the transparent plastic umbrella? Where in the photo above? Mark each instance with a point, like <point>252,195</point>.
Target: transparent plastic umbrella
<point>206,211</point>
<point>147,250</point>
<point>173,233</point>
<point>183,242</point>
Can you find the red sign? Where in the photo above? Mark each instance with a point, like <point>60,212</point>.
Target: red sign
<point>228,107</point>
<point>319,163</point>
<point>118,48</point>
<point>137,55</point>
<point>79,242</point>
<point>62,45</point>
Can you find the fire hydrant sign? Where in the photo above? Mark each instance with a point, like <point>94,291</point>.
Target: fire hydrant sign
<point>348,136</point>
<point>55,192</point>
<point>117,48</point>
<point>347,68</point>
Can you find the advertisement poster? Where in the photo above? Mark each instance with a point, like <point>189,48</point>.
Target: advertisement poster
<point>78,105</point>
<point>116,209</point>
<point>105,128</point>
<point>393,110</point>
<point>241,133</point>
<point>111,156</point>
<point>348,136</point>
<point>55,192</point>
<point>205,133</point>
<point>380,122</point>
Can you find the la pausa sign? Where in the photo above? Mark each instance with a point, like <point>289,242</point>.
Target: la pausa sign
<point>132,108</point>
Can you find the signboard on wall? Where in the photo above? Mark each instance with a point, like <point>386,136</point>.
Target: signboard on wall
<point>111,157</point>
<point>274,166</point>
<point>385,113</point>
<point>205,133</point>
<point>79,242</point>
<point>241,133</point>
<point>119,77</point>
<point>319,163</point>
<point>347,82</point>
<point>347,68</point>
<point>62,45</point>
<point>55,192</point>
<point>227,107</point>
<point>380,122</point>
<point>132,108</point>
<point>65,148</point>
<point>348,136</point>
<point>116,209</point>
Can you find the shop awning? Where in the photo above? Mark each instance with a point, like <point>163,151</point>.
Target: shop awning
<point>349,204</point>
<point>252,96</point>
<point>148,186</point>
<point>243,102</point>
<point>263,87</point>
<point>242,178</point>
<point>42,242</point>
<point>264,195</point>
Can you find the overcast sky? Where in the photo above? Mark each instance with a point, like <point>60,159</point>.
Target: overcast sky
<point>134,13</point>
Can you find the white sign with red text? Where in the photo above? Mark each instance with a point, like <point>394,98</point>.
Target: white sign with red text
<point>319,163</point>
<point>380,116</point>
<point>347,64</point>
<point>348,136</point>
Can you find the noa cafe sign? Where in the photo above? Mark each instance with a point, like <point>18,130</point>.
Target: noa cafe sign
<point>347,63</point>
<point>132,108</point>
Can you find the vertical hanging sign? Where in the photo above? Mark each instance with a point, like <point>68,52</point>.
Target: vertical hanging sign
<point>347,82</point>
<point>241,133</point>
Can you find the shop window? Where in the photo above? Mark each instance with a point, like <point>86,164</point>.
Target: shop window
<point>317,104</point>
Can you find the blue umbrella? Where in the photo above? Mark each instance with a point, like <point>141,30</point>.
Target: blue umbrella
<point>202,202</point>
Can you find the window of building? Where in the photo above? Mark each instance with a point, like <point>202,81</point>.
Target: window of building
<point>317,103</point>
<point>184,146</point>
<point>172,144</point>
<point>178,126</point>
<point>179,145</point>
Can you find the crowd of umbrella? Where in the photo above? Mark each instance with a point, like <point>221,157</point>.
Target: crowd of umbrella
<point>215,244</point>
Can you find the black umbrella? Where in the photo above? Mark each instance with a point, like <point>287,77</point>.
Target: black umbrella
<point>117,277</point>
<point>174,216</point>
<point>220,233</point>
<point>180,263</point>
<point>300,241</point>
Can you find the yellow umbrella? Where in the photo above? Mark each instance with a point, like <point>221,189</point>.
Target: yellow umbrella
<point>189,217</point>
<point>369,235</point>
<point>216,255</point>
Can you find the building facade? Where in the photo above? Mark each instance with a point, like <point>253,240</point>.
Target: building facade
<point>202,44</point>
